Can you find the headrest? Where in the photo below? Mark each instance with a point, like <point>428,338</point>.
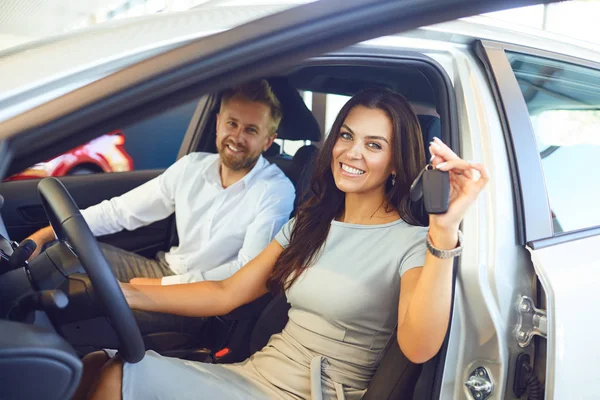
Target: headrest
<point>273,150</point>
<point>298,122</point>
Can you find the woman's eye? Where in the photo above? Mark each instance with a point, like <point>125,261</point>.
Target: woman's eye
<point>374,146</point>
<point>345,135</point>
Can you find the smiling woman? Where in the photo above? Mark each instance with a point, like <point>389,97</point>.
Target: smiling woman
<point>374,140</point>
<point>346,155</point>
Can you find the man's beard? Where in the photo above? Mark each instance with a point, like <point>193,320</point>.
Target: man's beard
<point>236,162</point>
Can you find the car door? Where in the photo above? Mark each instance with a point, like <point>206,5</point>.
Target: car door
<point>152,144</point>
<point>551,105</point>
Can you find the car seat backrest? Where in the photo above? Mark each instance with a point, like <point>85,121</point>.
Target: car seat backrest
<point>297,122</point>
<point>431,127</point>
<point>302,170</point>
<point>271,320</point>
<point>273,151</point>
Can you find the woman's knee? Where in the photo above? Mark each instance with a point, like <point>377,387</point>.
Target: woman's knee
<point>92,365</point>
<point>95,360</point>
<point>109,385</point>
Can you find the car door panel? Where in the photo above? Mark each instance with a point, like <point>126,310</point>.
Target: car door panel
<point>23,213</point>
<point>558,223</point>
<point>564,272</point>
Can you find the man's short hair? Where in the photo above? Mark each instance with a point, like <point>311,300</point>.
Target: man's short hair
<point>256,91</point>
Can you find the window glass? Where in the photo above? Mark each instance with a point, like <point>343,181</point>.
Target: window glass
<point>290,147</point>
<point>564,104</point>
<point>152,143</point>
<point>334,102</point>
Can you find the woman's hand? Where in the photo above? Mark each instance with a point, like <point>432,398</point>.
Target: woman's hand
<point>467,180</point>
<point>132,292</point>
<point>129,291</point>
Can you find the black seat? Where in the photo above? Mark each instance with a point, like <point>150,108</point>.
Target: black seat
<point>431,127</point>
<point>302,170</point>
<point>272,151</point>
<point>297,123</point>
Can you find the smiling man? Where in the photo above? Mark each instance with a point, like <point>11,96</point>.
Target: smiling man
<point>228,205</point>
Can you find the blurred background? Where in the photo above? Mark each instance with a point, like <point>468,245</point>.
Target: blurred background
<point>22,21</point>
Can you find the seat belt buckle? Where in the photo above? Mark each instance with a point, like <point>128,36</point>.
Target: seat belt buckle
<point>222,355</point>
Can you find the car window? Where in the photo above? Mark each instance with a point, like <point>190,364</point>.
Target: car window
<point>290,147</point>
<point>334,102</point>
<point>564,104</point>
<point>152,143</point>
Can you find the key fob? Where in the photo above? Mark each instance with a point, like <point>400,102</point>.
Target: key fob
<point>436,190</point>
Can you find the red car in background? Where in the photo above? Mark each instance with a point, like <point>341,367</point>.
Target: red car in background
<point>103,154</point>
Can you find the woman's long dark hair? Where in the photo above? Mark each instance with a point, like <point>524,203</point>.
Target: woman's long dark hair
<point>326,201</point>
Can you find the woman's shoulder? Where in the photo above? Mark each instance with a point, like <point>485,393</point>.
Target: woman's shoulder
<point>409,233</point>
<point>398,225</point>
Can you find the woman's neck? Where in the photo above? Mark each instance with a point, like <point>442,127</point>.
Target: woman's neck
<point>367,209</point>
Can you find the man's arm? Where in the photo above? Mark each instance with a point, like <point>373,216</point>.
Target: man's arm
<point>275,209</point>
<point>139,207</point>
<point>147,203</point>
<point>150,202</point>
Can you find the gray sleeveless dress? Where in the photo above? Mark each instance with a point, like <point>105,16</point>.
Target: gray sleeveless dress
<point>344,310</point>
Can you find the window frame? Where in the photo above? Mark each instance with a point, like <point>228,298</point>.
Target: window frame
<point>534,216</point>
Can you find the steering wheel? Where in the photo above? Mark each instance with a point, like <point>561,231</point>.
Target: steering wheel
<point>70,227</point>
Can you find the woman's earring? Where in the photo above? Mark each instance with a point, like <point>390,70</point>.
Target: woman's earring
<point>393,179</point>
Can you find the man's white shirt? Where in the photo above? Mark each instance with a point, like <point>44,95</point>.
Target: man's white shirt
<point>219,229</point>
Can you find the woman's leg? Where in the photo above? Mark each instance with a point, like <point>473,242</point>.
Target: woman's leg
<point>171,378</point>
<point>92,364</point>
<point>110,383</point>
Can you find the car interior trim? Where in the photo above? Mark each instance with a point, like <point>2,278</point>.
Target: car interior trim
<point>564,238</point>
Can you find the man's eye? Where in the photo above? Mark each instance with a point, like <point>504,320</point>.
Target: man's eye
<point>231,123</point>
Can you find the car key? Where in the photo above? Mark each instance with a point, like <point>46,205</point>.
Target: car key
<point>436,190</point>
<point>433,186</point>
